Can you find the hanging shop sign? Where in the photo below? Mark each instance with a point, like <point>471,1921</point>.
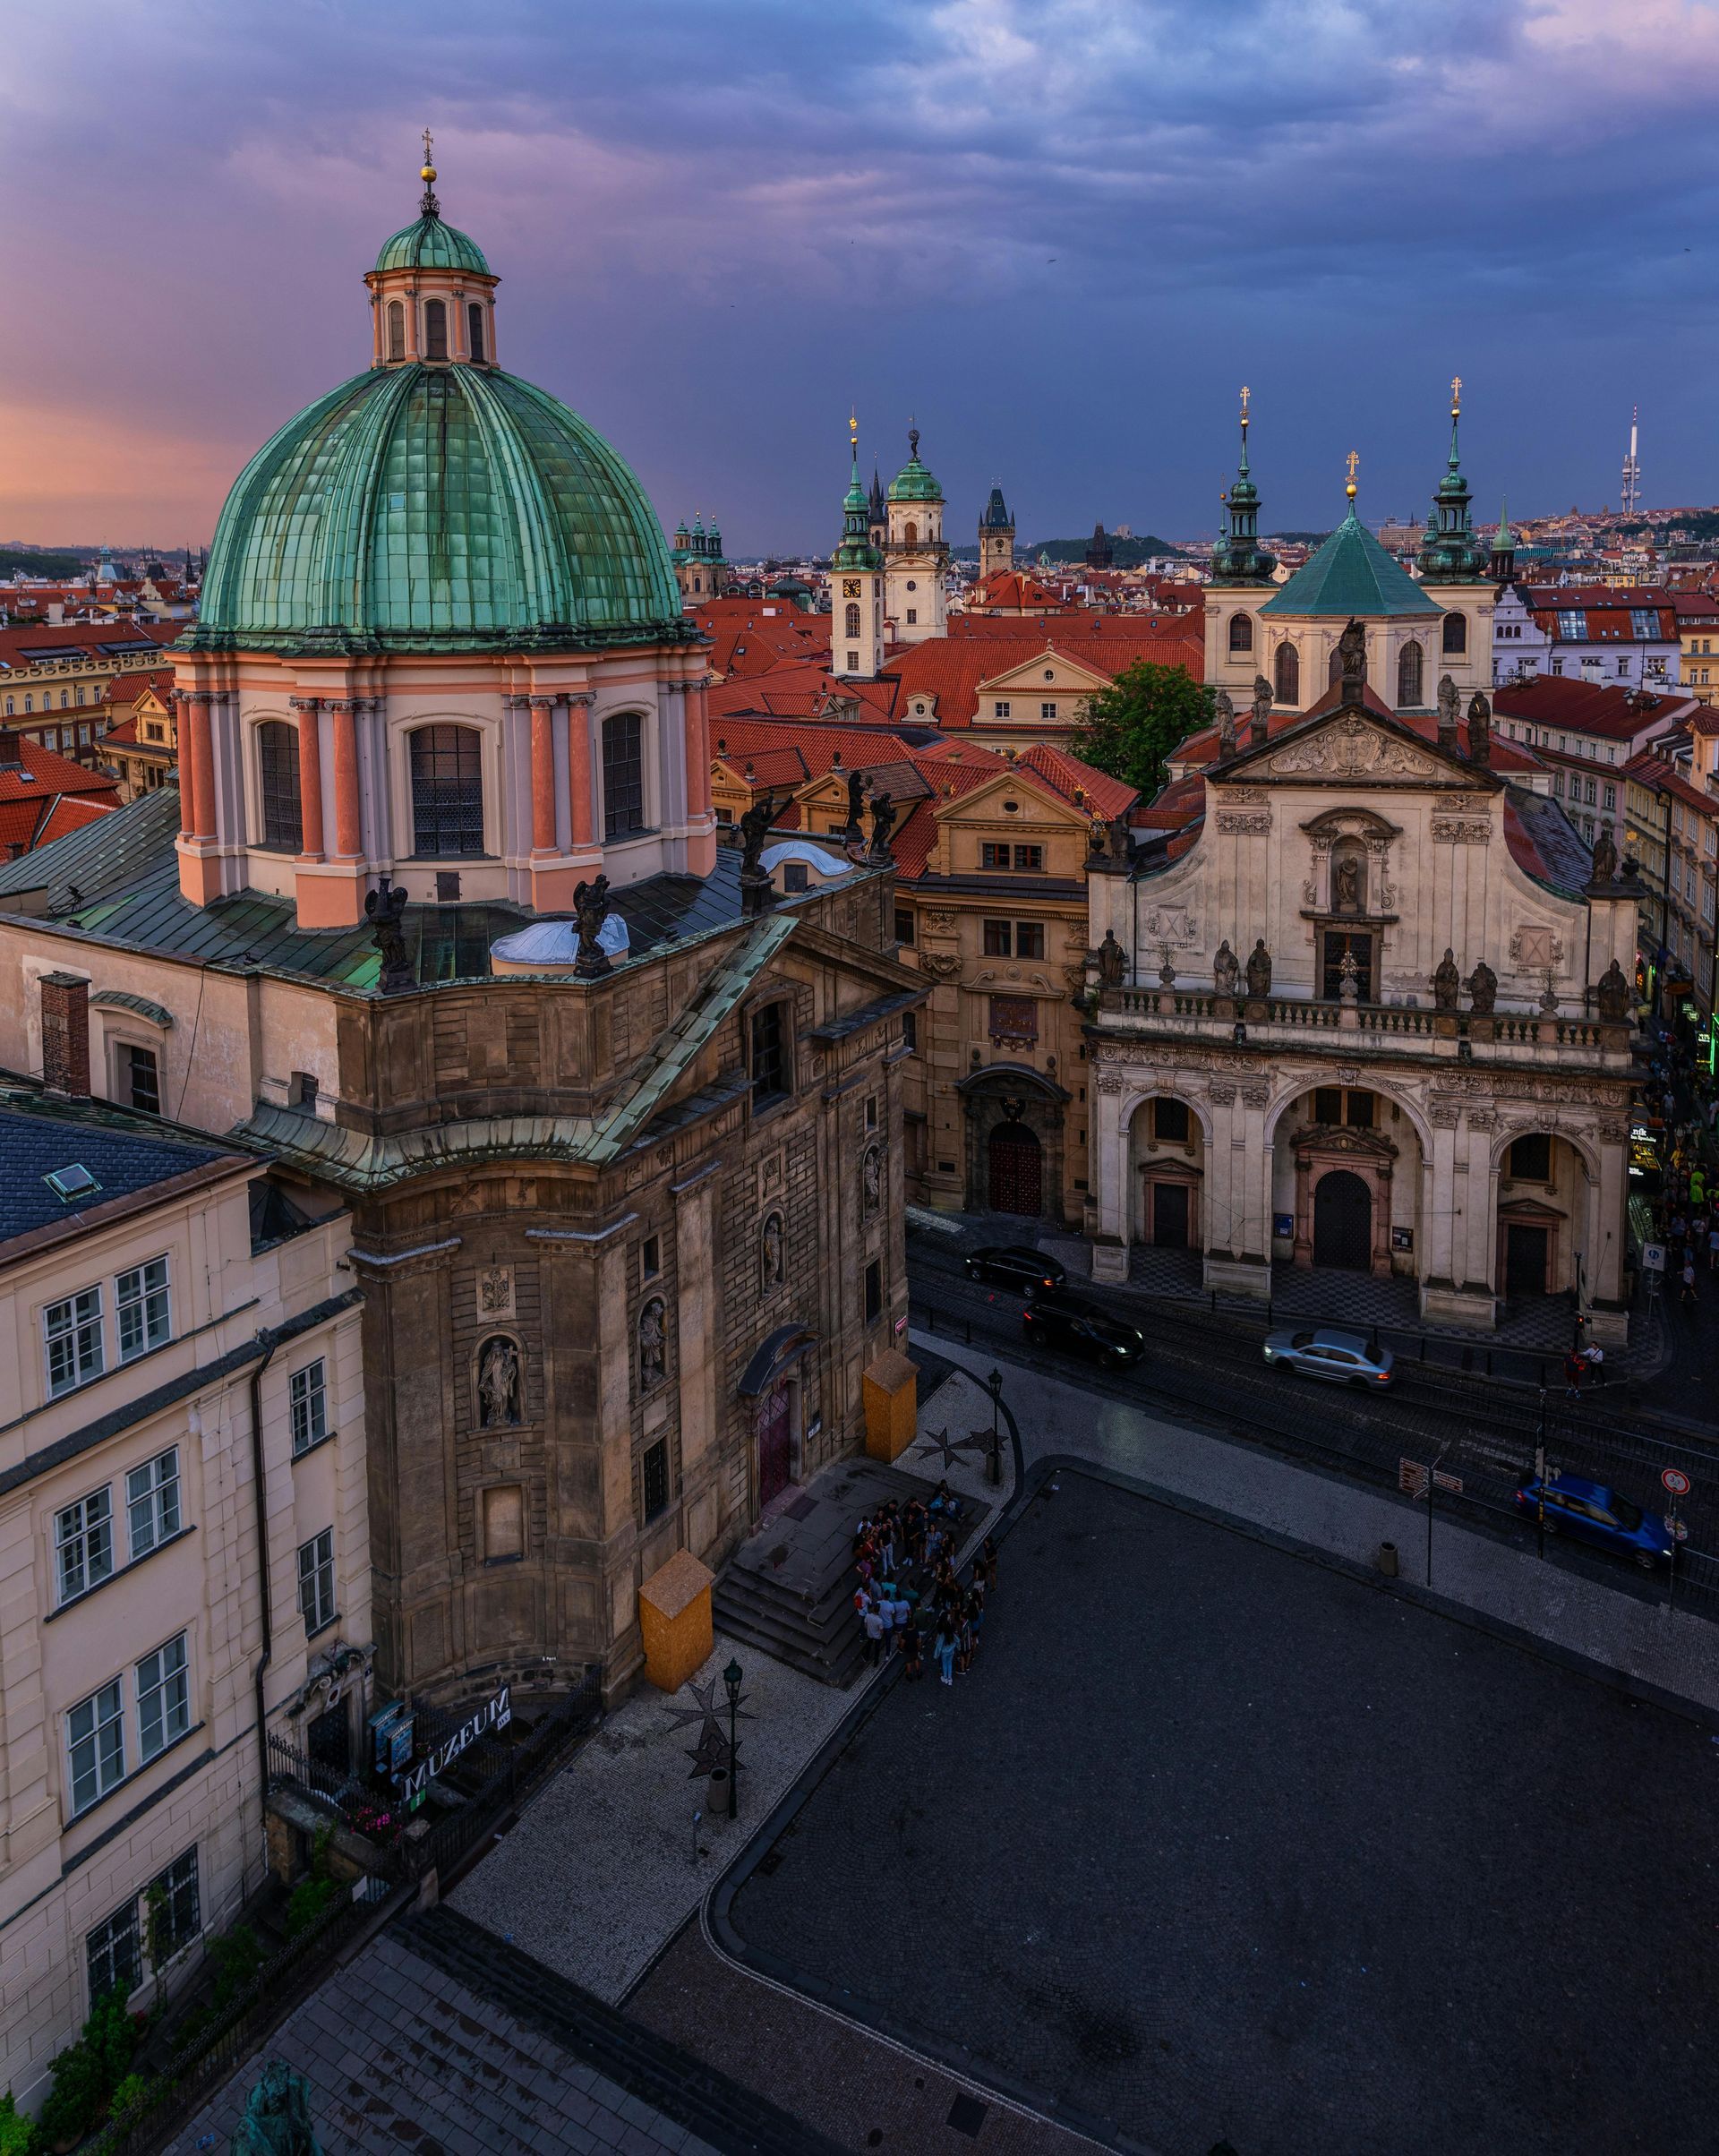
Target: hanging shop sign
<point>495,1712</point>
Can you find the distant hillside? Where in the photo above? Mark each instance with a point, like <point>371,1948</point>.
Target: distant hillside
<point>32,564</point>
<point>1124,553</point>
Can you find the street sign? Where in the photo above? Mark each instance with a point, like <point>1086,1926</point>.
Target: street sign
<point>1449,1482</point>
<point>1675,1480</point>
<point>1411,1477</point>
<point>1675,1527</point>
<point>1653,1257</point>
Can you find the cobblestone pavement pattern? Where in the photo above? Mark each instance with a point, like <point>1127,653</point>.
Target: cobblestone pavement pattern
<point>1220,1842</point>
<point>399,2055</point>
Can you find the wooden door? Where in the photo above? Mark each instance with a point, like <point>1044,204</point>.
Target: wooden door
<point>1170,1215</point>
<point>775,1443</point>
<point>1016,1170</point>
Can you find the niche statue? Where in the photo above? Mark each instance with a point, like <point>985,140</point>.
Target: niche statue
<point>497,1384</point>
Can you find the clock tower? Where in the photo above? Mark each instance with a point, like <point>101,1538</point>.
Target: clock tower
<point>855,585</point>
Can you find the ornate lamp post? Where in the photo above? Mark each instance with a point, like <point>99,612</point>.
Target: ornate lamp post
<point>731,1677</point>
<point>994,1385</point>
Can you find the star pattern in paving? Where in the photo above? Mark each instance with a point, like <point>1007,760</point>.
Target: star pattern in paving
<point>950,1450</point>
<point>710,1753</point>
<point>708,1713</point>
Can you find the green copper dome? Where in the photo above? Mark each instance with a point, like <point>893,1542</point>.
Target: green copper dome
<point>913,483</point>
<point>430,245</point>
<point>436,507</point>
<point>1351,575</point>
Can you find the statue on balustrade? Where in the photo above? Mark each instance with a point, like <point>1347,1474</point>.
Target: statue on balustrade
<point>1259,971</point>
<point>1113,961</point>
<point>1260,727</point>
<point>1482,990</point>
<point>1614,995</point>
<point>1446,982</point>
<point>1225,710</point>
<point>1605,858</point>
<point>1226,969</point>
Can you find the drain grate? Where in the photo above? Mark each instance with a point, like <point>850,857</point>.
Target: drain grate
<point>967,2115</point>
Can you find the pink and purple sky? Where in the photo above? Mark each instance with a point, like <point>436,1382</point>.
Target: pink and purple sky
<point>1060,233</point>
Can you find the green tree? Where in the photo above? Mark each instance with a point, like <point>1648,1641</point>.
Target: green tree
<point>1130,728</point>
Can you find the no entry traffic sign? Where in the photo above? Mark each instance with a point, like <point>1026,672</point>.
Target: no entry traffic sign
<point>1674,1480</point>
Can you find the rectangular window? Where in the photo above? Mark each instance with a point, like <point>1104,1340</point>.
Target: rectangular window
<point>769,1064</point>
<point>1644,622</point>
<point>1339,944</point>
<point>910,1031</point>
<point>1030,857</point>
<point>992,856</point>
<point>853,662</point>
<point>113,1955</point>
<point>140,1079</point>
<point>997,939</point>
<point>152,1501</point>
<point>1558,785</point>
<point>73,1329</point>
<point>179,1916</point>
<point>95,1736</point>
<point>874,1291</point>
<point>794,876</point>
<point>1000,710</point>
<point>1170,1122</point>
<point>1572,624</point>
<point>163,1697</point>
<point>912,614</point>
<point>655,1478</point>
<point>145,1313</point>
<point>307,1395</point>
<point>623,775</point>
<point>1611,797</point>
<point>903,925</point>
<point>1046,711</point>
<point>1531,1159</point>
<point>650,1257</point>
<point>1028,939</point>
<point>316,1581</point>
<point>83,1544</point>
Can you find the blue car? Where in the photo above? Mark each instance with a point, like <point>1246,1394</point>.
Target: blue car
<point>1588,1511</point>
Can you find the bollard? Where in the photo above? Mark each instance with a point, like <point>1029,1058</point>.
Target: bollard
<point>717,1803</point>
<point>1386,1561</point>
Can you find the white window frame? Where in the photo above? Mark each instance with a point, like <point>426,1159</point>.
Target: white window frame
<point>143,1308</point>
<point>73,1325</point>
<point>317,1600</point>
<point>1046,711</point>
<point>307,1393</point>
<point>103,1738</point>
<point>162,1680</point>
<point>153,1513</point>
<point>1000,708</point>
<point>77,1528</point>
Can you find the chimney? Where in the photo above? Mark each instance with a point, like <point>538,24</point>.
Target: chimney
<point>65,1035</point>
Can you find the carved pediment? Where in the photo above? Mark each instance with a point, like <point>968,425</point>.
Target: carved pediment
<point>1326,1139</point>
<point>1355,749</point>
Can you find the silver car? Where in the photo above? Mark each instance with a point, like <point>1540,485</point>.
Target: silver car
<point>1343,1359</point>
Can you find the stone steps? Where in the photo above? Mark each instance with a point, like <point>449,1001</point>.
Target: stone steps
<point>695,2095</point>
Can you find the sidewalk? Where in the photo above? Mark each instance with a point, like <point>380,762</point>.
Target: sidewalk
<point>605,1866</point>
<point>1509,1585</point>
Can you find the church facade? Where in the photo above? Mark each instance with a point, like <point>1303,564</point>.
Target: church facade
<point>1368,1009</point>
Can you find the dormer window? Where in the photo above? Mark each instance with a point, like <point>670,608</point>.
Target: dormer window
<point>435,329</point>
<point>475,331</point>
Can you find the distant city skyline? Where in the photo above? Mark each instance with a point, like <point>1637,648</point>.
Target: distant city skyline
<point>1059,236</point>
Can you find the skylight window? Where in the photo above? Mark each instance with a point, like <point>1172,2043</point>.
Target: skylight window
<point>73,1182</point>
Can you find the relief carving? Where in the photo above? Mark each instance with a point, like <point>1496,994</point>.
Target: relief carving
<point>1464,831</point>
<point>1249,823</point>
<point>1351,749</point>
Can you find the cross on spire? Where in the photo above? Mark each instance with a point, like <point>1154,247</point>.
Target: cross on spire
<point>1353,459</point>
<point>1456,396</point>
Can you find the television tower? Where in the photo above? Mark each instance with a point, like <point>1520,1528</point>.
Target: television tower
<point>1630,499</point>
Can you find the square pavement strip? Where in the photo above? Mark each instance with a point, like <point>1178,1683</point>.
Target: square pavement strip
<point>1220,1842</point>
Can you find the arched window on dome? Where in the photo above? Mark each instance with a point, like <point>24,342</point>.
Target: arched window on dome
<point>1408,676</point>
<point>447,792</point>
<point>283,821</point>
<point>1241,632</point>
<point>623,775</point>
<point>853,619</point>
<point>475,331</point>
<point>910,534</point>
<point>435,329</point>
<point>1456,635</point>
<point>395,330</point>
<point>1289,672</point>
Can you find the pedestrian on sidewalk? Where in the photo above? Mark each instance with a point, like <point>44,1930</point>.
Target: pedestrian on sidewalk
<point>1575,1370</point>
<point>1713,1246</point>
<point>1688,1295</point>
<point>946,1650</point>
<point>875,1635</point>
<point>987,1564</point>
<point>913,1651</point>
<point>963,1643</point>
<point>1595,1356</point>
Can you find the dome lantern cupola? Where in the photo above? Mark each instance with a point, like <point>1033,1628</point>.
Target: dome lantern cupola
<point>1450,553</point>
<point>1239,557</point>
<point>431,293</point>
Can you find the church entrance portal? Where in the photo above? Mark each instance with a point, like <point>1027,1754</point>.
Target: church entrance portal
<point>1343,1222</point>
<point>1016,1170</point>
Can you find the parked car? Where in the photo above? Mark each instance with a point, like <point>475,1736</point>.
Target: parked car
<point>1588,1511</point>
<point>1071,1322</point>
<point>1341,1358</point>
<point>1016,1265</point>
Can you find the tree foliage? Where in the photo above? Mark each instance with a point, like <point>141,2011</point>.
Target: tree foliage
<point>1130,728</point>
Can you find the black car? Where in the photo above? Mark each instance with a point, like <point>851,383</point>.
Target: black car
<point>1029,1272</point>
<point>1071,1322</point>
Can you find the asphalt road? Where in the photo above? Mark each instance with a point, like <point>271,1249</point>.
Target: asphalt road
<point>1218,1843</point>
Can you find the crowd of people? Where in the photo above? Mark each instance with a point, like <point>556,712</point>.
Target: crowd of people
<point>1686,1211</point>
<point>909,1598</point>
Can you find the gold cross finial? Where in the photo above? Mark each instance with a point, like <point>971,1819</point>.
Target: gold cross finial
<point>1246,393</point>
<point>429,172</point>
<point>1354,458</point>
<point>1456,395</point>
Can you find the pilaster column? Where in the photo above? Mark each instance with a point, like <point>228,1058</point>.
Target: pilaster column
<point>310,777</point>
<point>542,773</point>
<point>202,766</point>
<point>349,824</point>
<point>180,699</point>
<point>1109,1150</point>
<point>579,766</point>
<point>697,751</point>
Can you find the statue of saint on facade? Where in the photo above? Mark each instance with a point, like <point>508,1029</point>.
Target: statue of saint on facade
<point>1446,982</point>
<point>1226,969</point>
<point>1480,729</point>
<point>1113,960</point>
<point>1613,996</point>
<point>1482,990</point>
<point>590,911</point>
<point>854,829</point>
<point>653,1346</point>
<point>384,909</point>
<point>1352,661</point>
<point>1449,711</point>
<point>1259,970</point>
<point>1605,858</point>
<point>871,1174</point>
<point>1225,710</point>
<point>883,822</point>
<point>1346,886</point>
<point>497,1384</point>
<point>754,828</point>
<point>771,1250</point>
<point>1261,725</point>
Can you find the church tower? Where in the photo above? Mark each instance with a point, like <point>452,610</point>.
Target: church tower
<point>916,553</point>
<point>855,585</point>
<point>996,535</point>
<point>1242,575</point>
<point>1455,570</point>
<point>876,513</point>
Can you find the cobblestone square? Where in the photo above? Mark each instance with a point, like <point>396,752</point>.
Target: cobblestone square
<point>1217,1841</point>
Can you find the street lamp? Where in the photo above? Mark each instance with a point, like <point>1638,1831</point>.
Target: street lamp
<point>994,1385</point>
<point>731,1677</point>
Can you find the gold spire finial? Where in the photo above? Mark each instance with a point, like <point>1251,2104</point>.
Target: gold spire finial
<point>429,171</point>
<point>853,426</point>
<point>1456,397</point>
<point>1246,393</point>
<point>1354,458</point>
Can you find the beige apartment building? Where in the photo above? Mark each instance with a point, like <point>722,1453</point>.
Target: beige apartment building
<point>183,1533</point>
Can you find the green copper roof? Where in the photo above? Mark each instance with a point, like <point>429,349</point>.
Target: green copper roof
<point>1351,574</point>
<point>421,508</point>
<point>430,245</point>
<point>913,483</point>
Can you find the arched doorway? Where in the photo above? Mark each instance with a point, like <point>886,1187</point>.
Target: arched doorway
<point>1343,1221</point>
<point>1016,1165</point>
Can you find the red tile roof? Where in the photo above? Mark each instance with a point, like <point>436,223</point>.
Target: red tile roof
<point>1665,778</point>
<point>1608,710</point>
